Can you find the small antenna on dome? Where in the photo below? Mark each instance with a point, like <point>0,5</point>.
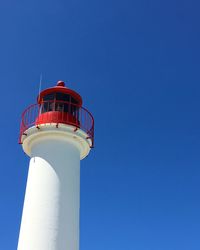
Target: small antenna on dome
<point>40,86</point>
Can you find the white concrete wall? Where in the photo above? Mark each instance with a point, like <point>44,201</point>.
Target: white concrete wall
<point>50,219</point>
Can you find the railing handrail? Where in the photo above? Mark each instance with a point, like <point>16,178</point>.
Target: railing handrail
<point>83,117</point>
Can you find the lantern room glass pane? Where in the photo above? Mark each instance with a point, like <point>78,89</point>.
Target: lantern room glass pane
<point>47,106</point>
<point>62,97</point>
<point>59,106</point>
<point>74,100</point>
<point>49,97</point>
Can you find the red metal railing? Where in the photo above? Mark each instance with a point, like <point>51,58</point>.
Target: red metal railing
<point>57,112</point>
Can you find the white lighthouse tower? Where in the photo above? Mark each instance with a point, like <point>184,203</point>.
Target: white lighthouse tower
<point>56,133</point>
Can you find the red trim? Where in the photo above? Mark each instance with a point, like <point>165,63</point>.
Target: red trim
<point>62,90</point>
<point>57,117</point>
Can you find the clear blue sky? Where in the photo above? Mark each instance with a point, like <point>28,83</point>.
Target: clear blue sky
<point>136,65</point>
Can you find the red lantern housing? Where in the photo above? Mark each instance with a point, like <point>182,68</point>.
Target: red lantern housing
<point>58,104</point>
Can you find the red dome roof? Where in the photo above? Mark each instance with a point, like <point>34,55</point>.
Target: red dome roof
<point>61,88</point>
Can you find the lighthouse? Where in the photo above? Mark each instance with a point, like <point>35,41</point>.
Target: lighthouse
<point>56,133</point>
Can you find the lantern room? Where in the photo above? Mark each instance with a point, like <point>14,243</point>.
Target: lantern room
<point>59,104</point>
